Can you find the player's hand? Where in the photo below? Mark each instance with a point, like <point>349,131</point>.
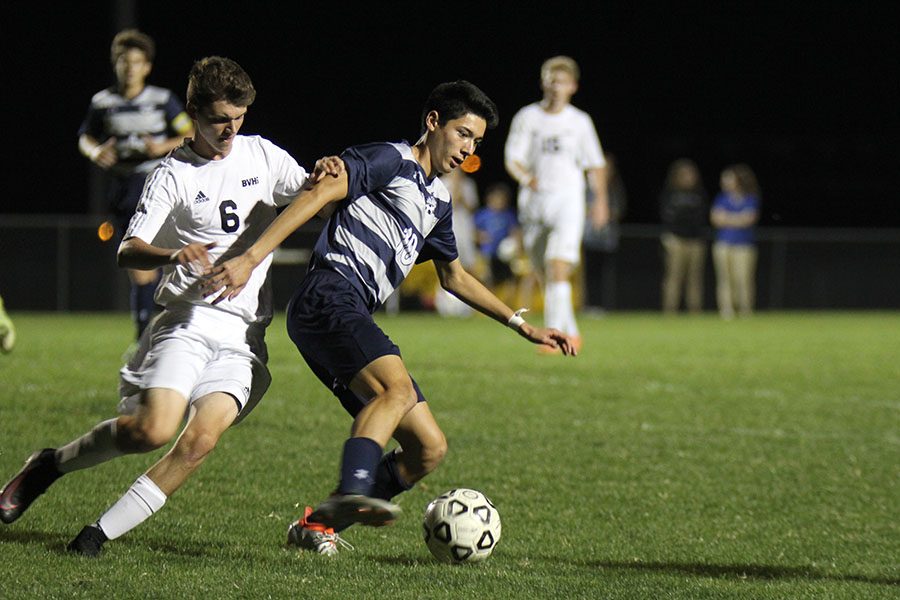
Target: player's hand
<point>195,257</point>
<point>228,278</point>
<point>328,165</point>
<point>552,338</point>
<point>152,148</point>
<point>105,155</point>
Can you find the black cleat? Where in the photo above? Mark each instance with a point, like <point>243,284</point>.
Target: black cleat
<point>89,542</point>
<point>343,510</point>
<point>33,480</point>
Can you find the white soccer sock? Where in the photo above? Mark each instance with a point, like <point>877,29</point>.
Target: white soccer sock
<point>558,310</point>
<point>95,447</point>
<point>551,306</point>
<point>138,504</point>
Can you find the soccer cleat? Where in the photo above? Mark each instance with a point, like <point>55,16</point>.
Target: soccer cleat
<point>88,542</point>
<point>343,510</point>
<point>33,480</point>
<point>315,537</point>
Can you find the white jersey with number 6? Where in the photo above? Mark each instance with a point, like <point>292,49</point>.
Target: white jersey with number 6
<point>230,202</point>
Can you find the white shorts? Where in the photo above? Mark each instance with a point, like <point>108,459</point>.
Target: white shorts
<point>552,226</point>
<point>196,351</point>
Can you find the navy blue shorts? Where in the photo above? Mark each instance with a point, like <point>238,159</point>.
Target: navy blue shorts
<point>123,195</point>
<point>328,321</point>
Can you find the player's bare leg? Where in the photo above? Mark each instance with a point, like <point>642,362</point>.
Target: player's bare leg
<point>422,444</point>
<point>154,423</point>
<point>210,417</point>
<point>386,381</point>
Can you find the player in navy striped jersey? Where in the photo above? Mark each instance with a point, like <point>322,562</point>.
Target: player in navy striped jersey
<point>208,199</point>
<point>391,211</point>
<point>128,128</point>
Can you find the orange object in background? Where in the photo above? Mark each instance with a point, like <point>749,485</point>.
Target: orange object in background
<point>105,231</point>
<point>471,164</point>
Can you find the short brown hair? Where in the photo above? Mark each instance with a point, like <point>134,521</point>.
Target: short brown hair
<point>561,63</point>
<point>216,78</point>
<point>127,39</point>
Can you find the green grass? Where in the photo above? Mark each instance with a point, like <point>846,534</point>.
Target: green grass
<point>675,458</point>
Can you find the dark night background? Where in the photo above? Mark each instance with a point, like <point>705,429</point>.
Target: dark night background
<point>806,93</point>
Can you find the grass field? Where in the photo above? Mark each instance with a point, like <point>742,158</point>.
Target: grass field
<point>675,458</point>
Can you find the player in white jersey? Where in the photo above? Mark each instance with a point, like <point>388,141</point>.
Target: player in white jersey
<point>209,199</point>
<point>550,148</point>
<point>390,210</point>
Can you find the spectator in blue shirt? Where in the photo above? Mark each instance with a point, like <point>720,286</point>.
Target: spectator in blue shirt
<point>497,232</point>
<point>734,214</point>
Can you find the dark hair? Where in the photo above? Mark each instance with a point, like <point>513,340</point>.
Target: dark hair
<point>132,38</point>
<point>455,99</point>
<point>675,169</point>
<point>216,78</point>
<point>499,187</point>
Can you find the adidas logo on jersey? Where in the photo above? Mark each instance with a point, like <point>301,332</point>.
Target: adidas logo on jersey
<point>200,198</point>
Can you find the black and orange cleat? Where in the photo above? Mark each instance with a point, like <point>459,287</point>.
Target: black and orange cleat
<point>31,481</point>
<point>315,537</point>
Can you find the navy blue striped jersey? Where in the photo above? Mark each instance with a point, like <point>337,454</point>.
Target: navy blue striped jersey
<point>392,218</point>
<point>155,112</point>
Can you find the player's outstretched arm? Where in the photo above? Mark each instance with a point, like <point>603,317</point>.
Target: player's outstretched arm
<point>456,280</point>
<point>230,277</point>
<point>135,253</point>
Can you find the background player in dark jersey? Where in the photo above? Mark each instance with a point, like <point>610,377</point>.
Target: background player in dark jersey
<point>129,127</point>
<point>391,210</point>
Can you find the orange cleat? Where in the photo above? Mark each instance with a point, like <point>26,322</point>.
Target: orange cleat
<point>315,537</point>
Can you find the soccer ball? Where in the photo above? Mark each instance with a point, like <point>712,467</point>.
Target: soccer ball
<point>461,525</point>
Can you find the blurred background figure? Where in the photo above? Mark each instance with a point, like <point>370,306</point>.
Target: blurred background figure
<point>734,214</point>
<point>7,330</point>
<point>499,241</point>
<point>551,149</point>
<point>683,208</point>
<point>128,128</point>
<point>601,244</point>
<point>464,196</point>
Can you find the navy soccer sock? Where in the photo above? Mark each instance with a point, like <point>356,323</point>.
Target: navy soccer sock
<point>142,305</point>
<point>388,481</point>
<point>359,466</point>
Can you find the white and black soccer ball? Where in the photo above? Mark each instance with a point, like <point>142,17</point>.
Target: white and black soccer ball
<point>461,525</point>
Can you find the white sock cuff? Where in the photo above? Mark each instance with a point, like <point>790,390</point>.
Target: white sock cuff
<point>149,492</point>
<point>139,503</point>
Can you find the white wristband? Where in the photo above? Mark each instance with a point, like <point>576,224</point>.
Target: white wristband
<point>95,152</point>
<point>516,320</point>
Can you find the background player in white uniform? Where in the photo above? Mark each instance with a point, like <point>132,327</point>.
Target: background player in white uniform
<point>206,201</point>
<point>550,148</point>
<point>390,210</point>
